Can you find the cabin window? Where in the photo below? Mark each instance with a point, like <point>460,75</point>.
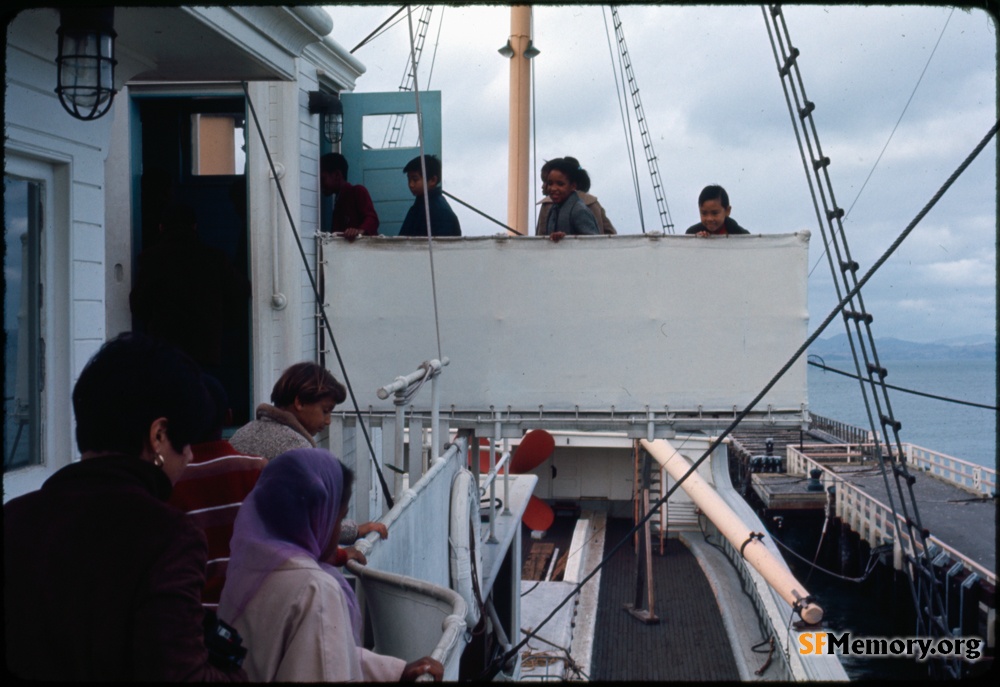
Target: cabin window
<point>381,132</point>
<point>23,379</point>
<point>218,144</point>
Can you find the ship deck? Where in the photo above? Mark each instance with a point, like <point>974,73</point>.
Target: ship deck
<point>690,640</point>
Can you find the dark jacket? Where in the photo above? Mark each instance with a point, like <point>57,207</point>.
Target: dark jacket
<point>571,217</point>
<point>731,228</point>
<point>354,208</point>
<point>103,580</point>
<point>443,219</point>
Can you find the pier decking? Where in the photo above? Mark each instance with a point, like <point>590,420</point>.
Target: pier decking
<point>962,518</point>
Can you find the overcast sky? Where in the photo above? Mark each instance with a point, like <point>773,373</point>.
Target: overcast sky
<point>716,113</point>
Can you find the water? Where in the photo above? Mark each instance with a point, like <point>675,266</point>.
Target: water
<point>881,606</point>
<point>960,431</point>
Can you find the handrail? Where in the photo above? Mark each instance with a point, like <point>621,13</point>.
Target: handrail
<point>876,512</point>
<point>453,625</point>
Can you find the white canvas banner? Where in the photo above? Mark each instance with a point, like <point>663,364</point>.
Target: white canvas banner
<point>589,324</point>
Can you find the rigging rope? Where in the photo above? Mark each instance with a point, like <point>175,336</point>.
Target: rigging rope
<point>626,125</point>
<point>423,172</point>
<point>491,671</point>
<point>893,132</point>
<point>319,299</point>
<point>825,367</point>
<point>370,37</point>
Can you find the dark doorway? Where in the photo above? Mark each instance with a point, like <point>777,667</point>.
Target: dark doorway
<point>192,150</point>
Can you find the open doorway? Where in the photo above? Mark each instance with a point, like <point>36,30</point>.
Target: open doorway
<point>192,152</point>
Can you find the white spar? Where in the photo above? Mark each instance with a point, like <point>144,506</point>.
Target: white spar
<point>733,528</point>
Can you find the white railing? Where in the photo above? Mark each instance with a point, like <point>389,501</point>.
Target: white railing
<point>871,518</point>
<point>980,480</point>
<point>976,479</point>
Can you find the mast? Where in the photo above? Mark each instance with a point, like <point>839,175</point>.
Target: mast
<point>518,135</point>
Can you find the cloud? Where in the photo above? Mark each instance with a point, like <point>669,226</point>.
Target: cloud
<point>968,272</point>
<point>716,112</point>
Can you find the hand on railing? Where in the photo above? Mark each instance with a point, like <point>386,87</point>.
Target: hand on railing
<point>424,669</point>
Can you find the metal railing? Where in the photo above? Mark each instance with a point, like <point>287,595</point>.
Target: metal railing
<point>872,519</point>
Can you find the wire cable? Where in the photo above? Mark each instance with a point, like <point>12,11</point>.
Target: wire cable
<point>896,126</point>
<point>423,172</point>
<point>319,299</point>
<point>906,391</point>
<point>491,671</point>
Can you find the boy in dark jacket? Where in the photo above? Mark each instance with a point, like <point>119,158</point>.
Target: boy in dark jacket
<point>443,219</point>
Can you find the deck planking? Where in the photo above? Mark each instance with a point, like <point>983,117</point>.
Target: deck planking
<point>690,641</point>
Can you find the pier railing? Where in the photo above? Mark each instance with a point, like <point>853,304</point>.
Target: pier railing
<point>978,480</point>
<point>872,519</point>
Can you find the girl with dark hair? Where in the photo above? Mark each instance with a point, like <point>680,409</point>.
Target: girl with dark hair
<point>604,224</point>
<point>103,579</point>
<point>294,608</point>
<point>568,214</point>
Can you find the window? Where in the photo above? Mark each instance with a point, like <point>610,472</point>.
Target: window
<point>382,132</point>
<point>23,376</point>
<point>218,146</point>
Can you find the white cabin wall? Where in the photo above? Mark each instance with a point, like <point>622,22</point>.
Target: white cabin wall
<point>281,307</point>
<point>70,154</point>
<point>118,211</point>
<point>309,205</point>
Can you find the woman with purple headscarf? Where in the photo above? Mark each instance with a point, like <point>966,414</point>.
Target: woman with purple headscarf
<point>298,615</point>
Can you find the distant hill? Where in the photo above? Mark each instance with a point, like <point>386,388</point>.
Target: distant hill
<point>837,348</point>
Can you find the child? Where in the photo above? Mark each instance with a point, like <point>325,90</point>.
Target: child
<point>353,211</point>
<point>604,225</point>
<point>568,215</point>
<point>443,219</point>
<point>713,202</point>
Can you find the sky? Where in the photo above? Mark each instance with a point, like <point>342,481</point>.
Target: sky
<point>903,94</point>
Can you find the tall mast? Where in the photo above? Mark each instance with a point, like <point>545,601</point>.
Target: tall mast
<point>520,102</point>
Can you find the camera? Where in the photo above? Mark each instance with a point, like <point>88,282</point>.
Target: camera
<point>224,644</point>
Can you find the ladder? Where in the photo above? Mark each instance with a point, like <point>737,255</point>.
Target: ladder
<point>647,142</point>
<point>394,130</point>
<point>925,587</point>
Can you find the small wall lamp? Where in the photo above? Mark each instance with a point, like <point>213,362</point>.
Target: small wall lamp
<point>86,61</point>
<point>328,105</point>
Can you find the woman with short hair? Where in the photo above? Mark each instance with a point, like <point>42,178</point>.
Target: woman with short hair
<point>102,578</point>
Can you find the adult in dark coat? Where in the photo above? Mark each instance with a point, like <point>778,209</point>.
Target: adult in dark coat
<point>103,579</point>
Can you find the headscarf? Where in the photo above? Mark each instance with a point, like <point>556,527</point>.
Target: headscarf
<point>291,512</point>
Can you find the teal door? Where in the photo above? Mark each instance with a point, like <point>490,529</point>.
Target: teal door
<point>380,137</point>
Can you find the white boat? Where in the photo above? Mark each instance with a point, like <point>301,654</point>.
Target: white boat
<point>599,363</point>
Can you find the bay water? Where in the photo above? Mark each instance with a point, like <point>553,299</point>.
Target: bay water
<point>960,431</point>
<point>881,605</point>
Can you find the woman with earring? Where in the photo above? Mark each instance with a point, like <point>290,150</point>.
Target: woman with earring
<point>103,579</point>
<point>296,610</point>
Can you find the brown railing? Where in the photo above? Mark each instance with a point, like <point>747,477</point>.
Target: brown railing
<point>849,434</point>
